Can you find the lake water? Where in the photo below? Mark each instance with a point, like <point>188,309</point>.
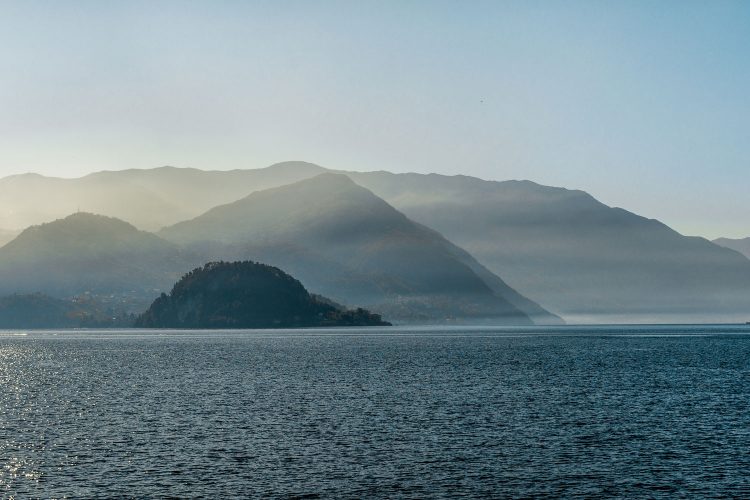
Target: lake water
<point>410,413</point>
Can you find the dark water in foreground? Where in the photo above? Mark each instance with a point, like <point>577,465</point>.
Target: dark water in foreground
<point>635,412</point>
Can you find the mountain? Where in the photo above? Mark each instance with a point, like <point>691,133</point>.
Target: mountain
<point>89,253</point>
<point>149,199</point>
<point>577,256</point>
<point>246,295</point>
<point>42,311</point>
<point>563,248</point>
<point>6,236</point>
<point>739,245</point>
<point>346,243</point>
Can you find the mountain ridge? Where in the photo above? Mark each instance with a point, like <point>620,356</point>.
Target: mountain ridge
<point>741,245</point>
<point>365,240</point>
<point>560,247</point>
<point>88,253</point>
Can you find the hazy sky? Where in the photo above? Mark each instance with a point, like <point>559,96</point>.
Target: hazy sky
<point>646,105</point>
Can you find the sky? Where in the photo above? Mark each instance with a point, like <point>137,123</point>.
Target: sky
<point>645,105</point>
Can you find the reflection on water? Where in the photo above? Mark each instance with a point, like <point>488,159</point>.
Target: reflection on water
<point>566,411</point>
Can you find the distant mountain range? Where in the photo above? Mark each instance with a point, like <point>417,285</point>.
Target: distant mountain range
<point>562,248</point>
<point>341,240</point>
<point>149,199</point>
<point>741,245</point>
<point>576,256</point>
<point>346,243</point>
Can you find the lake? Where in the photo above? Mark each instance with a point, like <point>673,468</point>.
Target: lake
<point>644,411</point>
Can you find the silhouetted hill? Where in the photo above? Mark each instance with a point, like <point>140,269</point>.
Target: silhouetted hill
<point>42,311</point>
<point>346,243</point>
<point>89,253</point>
<point>738,245</point>
<point>246,295</point>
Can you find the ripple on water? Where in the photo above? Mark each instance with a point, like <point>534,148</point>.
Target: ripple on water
<point>312,413</point>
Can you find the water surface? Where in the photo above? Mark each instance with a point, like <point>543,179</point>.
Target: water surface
<point>564,411</point>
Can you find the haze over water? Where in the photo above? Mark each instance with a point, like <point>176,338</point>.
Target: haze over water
<point>566,411</point>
